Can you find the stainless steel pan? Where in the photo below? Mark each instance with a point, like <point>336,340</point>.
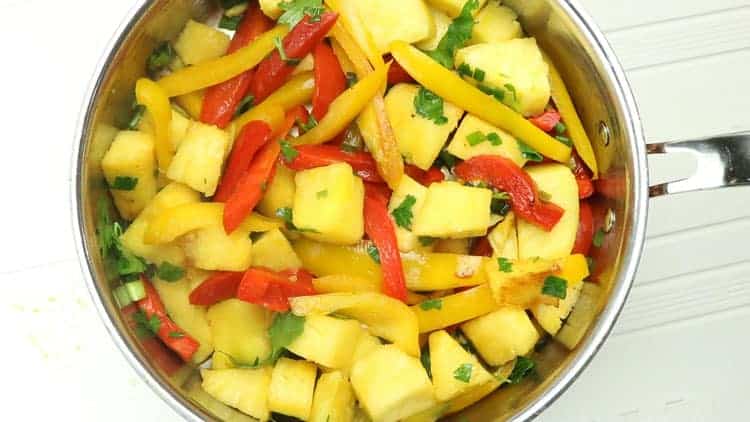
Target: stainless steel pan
<point>603,98</point>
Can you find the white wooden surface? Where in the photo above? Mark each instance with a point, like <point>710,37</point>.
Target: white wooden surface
<point>677,353</point>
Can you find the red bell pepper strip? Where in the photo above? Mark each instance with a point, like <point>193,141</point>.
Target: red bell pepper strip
<point>173,336</point>
<point>585,188</point>
<point>546,121</point>
<point>503,174</point>
<point>251,138</point>
<point>220,286</point>
<point>482,247</point>
<point>159,353</point>
<point>426,178</point>
<point>297,115</point>
<point>220,101</point>
<point>583,178</point>
<point>299,42</point>
<point>271,289</point>
<point>381,190</point>
<point>397,74</point>
<point>379,228</point>
<point>312,156</point>
<point>330,80</point>
<point>585,234</point>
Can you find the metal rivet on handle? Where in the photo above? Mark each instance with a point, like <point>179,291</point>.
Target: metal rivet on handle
<point>609,221</point>
<point>604,134</point>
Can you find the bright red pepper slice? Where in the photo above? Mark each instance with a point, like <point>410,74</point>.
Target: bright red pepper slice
<point>379,228</point>
<point>173,336</point>
<point>503,174</point>
<point>585,234</point>
<point>220,101</point>
<point>219,286</point>
<point>546,121</point>
<point>272,72</point>
<point>397,74</point>
<point>251,138</point>
<point>312,156</point>
<point>157,351</point>
<point>426,178</point>
<point>330,80</point>
<point>272,289</point>
<point>583,178</point>
<point>482,247</point>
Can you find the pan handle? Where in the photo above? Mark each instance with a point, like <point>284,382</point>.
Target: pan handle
<point>722,162</point>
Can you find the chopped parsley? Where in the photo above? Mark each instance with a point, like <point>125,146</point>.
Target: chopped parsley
<point>494,139</point>
<point>403,214</point>
<point>500,204</point>
<point>475,138</point>
<point>351,79</point>
<point>244,105</point>
<point>504,265</point>
<point>288,151</point>
<point>285,213</point>
<point>373,251</point>
<point>117,259</point>
<point>424,357</point>
<point>230,22</point>
<point>170,272</point>
<point>529,153</point>
<point>512,89</point>
<point>295,11</point>
<point>426,240</point>
<point>160,58</point>
<point>430,106</point>
<point>285,328</point>
<point>446,159</point>
<point>431,304</point>
<point>598,239</point>
<point>145,326</point>
<point>309,125</point>
<point>290,61</point>
<point>457,35</point>
<point>479,74</point>
<point>465,70</point>
<point>564,140</point>
<point>124,183</point>
<point>560,128</point>
<point>176,334</point>
<point>135,120</point>
<point>555,286</point>
<point>523,367</point>
<point>463,372</point>
<point>322,194</point>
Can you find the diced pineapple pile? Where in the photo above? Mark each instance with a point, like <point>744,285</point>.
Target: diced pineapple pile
<point>484,285</point>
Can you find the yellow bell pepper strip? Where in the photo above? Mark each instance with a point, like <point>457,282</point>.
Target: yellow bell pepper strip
<point>344,283</point>
<point>452,88</point>
<point>384,316</point>
<point>423,271</point>
<point>455,308</point>
<point>570,117</point>
<point>520,282</point>
<point>296,91</point>
<point>212,72</point>
<point>150,94</point>
<point>352,23</point>
<point>192,103</point>
<point>345,108</point>
<point>347,50</point>
<point>177,221</point>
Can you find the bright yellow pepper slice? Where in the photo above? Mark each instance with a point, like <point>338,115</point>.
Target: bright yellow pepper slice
<point>452,88</point>
<point>271,113</point>
<point>182,219</point>
<point>570,117</point>
<point>192,103</point>
<point>212,72</point>
<point>345,108</point>
<point>344,283</point>
<point>384,316</point>
<point>456,308</point>
<point>350,19</point>
<point>153,97</point>
<point>296,91</point>
<point>423,272</point>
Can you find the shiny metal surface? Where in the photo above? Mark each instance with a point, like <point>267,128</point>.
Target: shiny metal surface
<point>722,162</point>
<point>599,89</point>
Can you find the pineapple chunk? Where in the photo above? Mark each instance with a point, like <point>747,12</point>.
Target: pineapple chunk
<point>412,23</point>
<point>280,192</point>
<point>517,62</point>
<point>333,400</point>
<point>327,341</point>
<point>199,42</point>
<point>271,8</point>
<point>274,251</point>
<point>328,204</point>
<point>170,196</point>
<point>582,316</point>
<point>366,344</point>
<point>210,248</point>
<point>131,157</point>
<point>502,335</point>
<point>504,239</point>
<point>391,385</point>
<point>495,23</point>
<point>407,241</point>
<point>550,316</point>
<point>292,387</point>
<point>240,333</point>
<point>442,22</point>
<point>191,318</point>
<point>200,157</point>
<point>178,128</point>
<point>454,370</point>
<point>454,211</point>
<point>419,139</point>
<point>470,125</point>
<point>244,389</point>
<point>453,7</point>
<point>558,181</point>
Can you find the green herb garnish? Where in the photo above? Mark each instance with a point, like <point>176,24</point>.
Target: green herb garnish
<point>500,206</point>
<point>230,22</point>
<point>457,35</point>
<point>560,128</point>
<point>285,328</point>
<point>124,183</point>
<point>311,123</point>
<point>160,58</point>
<point>374,253</point>
<point>430,106</point>
<point>176,334</point>
<point>475,138</point>
<point>138,111</point>
<point>555,286</point>
<point>529,153</point>
<point>479,74</point>
<point>290,61</point>
<point>564,140</point>
<point>244,105</point>
<point>295,11</point>
<point>598,239</point>
<point>446,159</point>
<point>351,79</point>
<point>145,326</point>
<point>523,367</point>
<point>285,213</point>
<point>431,304</point>
<point>424,357</point>
<point>288,152</point>
<point>463,372</point>
<point>426,240</point>
<point>116,257</point>
<point>504,265</point>
<point>464,70</point>
<point>494,139</point>
<point>170,272</point>
<point>403,214</point>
